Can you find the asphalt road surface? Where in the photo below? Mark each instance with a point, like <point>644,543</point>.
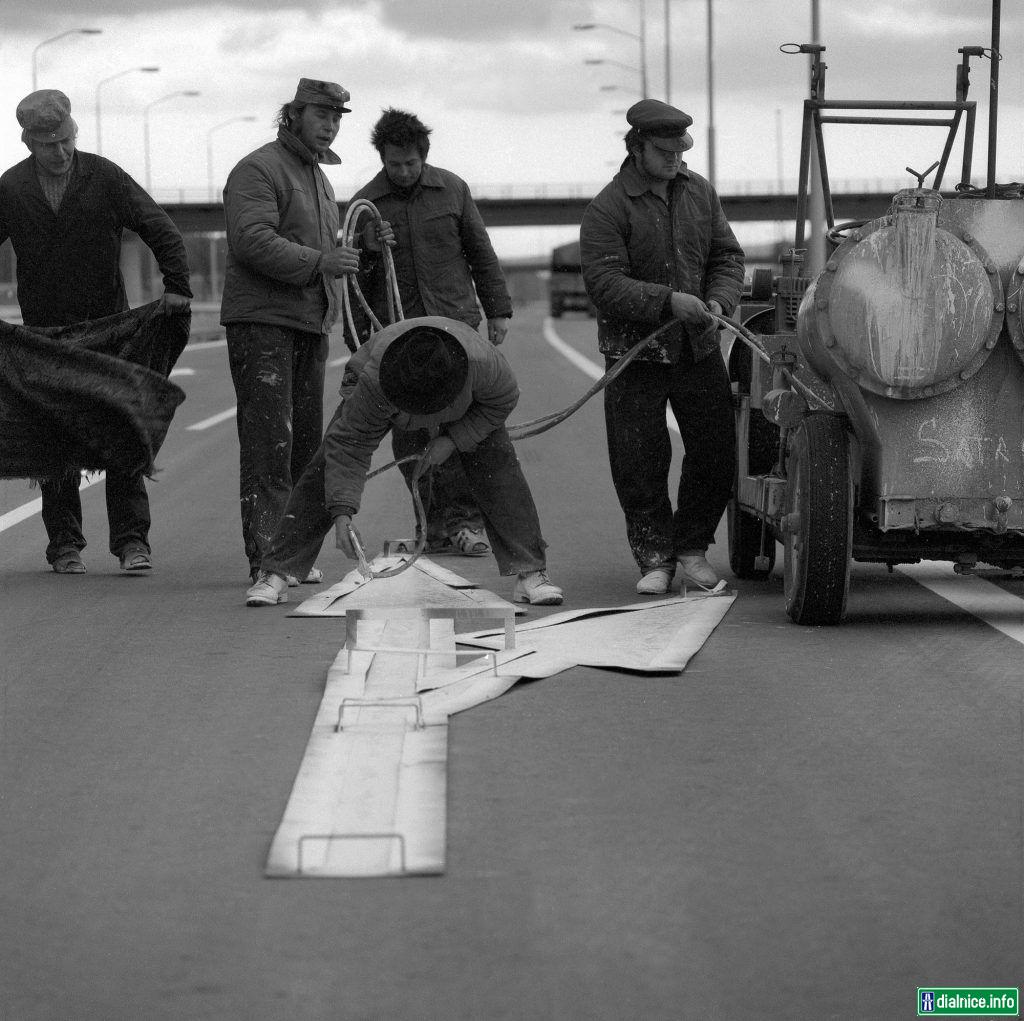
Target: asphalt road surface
<point>806,823</point>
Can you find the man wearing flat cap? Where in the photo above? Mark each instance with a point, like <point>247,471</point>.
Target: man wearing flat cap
<point>281,300</point>
<point>448,392</point>
<point>65,211</point>
<point>657,250</point>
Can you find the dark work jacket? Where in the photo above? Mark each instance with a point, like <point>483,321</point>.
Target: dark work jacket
<point>281,216</point>
<point>69,261</point>
<point>442,251</point>
<point>365,415</point>
<point>636,250</point>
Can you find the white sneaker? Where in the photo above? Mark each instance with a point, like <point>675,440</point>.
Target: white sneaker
<point>268,590</point>
<point>656,582</point>
<point>697,572</point>
<point>536,588</point>
<point>314,577</point>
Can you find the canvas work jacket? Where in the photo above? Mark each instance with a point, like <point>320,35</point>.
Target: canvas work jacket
<point>365,415</point>
<point>636,249</point>
<point>443,257</point>
<point>68,262</point>
<point>281,216</point>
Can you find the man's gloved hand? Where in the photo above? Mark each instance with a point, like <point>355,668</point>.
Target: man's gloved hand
<point>714,306</point>
<point>375,237</point>
<point>342,540</point>
<point>438,450</point>
<point>689,308</point>
<point>339,262</point>
<point>172,304</point>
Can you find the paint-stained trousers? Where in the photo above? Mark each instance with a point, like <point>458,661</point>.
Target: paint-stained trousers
<point>495,479</point>
<point>640,454</point>
<point>279,383</point>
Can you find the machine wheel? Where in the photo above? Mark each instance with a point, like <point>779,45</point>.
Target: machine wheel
<point>745,544</point>
<point>818,523</point>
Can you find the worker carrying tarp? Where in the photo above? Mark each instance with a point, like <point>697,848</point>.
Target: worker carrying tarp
<point>94,395</point>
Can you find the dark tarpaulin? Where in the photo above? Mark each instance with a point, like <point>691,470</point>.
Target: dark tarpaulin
<point>94,395</point>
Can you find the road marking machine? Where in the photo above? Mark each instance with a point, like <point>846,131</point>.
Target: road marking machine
<point>880,403</point>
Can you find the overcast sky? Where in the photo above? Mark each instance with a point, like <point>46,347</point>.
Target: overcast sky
<point>502,82</point>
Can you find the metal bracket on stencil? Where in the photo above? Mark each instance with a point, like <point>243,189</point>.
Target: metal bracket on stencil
<point>421,662</point>
<point>409,702</point>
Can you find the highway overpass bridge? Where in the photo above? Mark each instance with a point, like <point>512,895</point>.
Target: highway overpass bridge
<point>551,211</point>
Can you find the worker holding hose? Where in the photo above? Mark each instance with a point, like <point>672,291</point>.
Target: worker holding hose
<point>445,265</point>
<point>438,380</point>
<point>281,301</point>
<point>657,249</point>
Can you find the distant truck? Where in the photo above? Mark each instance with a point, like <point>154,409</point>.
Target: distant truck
<point>565,287</point>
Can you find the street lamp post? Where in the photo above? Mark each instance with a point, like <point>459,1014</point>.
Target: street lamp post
<point>641,39</point>
<point>209,147</point>
<point>53,39</point>
<point>711,97</point>
<point>145,125</point>
<point>100,84</point>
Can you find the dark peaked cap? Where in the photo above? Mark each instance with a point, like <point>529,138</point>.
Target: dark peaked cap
<point>664,123</point>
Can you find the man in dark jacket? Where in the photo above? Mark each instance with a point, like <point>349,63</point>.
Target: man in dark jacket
<point>427,377</point>
<point>445,266</point>
<point>64,212</point>
<point>280,301</point>
<point>656,248</point>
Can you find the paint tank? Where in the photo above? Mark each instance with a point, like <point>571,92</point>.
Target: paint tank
<point>906,307</point>
<point>915,322</point>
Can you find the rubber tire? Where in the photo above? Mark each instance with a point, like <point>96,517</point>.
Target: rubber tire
<point>818,544</point>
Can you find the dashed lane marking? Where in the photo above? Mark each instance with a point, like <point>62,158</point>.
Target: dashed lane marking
<point>26,510</point>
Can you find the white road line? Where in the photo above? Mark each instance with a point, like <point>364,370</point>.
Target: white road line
<point>585,365</point>
<point>981,598</point>
<point>26,510</point>
<point>205,345</point>
<point>207,423</point>
<point>182,372</point>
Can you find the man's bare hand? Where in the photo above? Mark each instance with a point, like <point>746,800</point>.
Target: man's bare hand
<point>438,450</point>
<point>689,308</point>
<point>342,540</point>
<point>376,236</point>
<point>497,330</point>
<point>172,304</point>
<point>340,262</point>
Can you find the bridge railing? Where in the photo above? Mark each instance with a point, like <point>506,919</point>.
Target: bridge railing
<point>580,189</point>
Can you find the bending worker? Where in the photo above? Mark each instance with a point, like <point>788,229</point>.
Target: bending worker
<point>428,377</point>
<point>656,248</point>
<point>445,266</point>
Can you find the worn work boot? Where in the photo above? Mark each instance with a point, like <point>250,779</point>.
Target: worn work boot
<point>314,577</point>
<point>695,571</point>
<point>536,588</point>
<point>269,590</point>
<point>655,582</point>
<point>135,558</point>
<point>69,562</point>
